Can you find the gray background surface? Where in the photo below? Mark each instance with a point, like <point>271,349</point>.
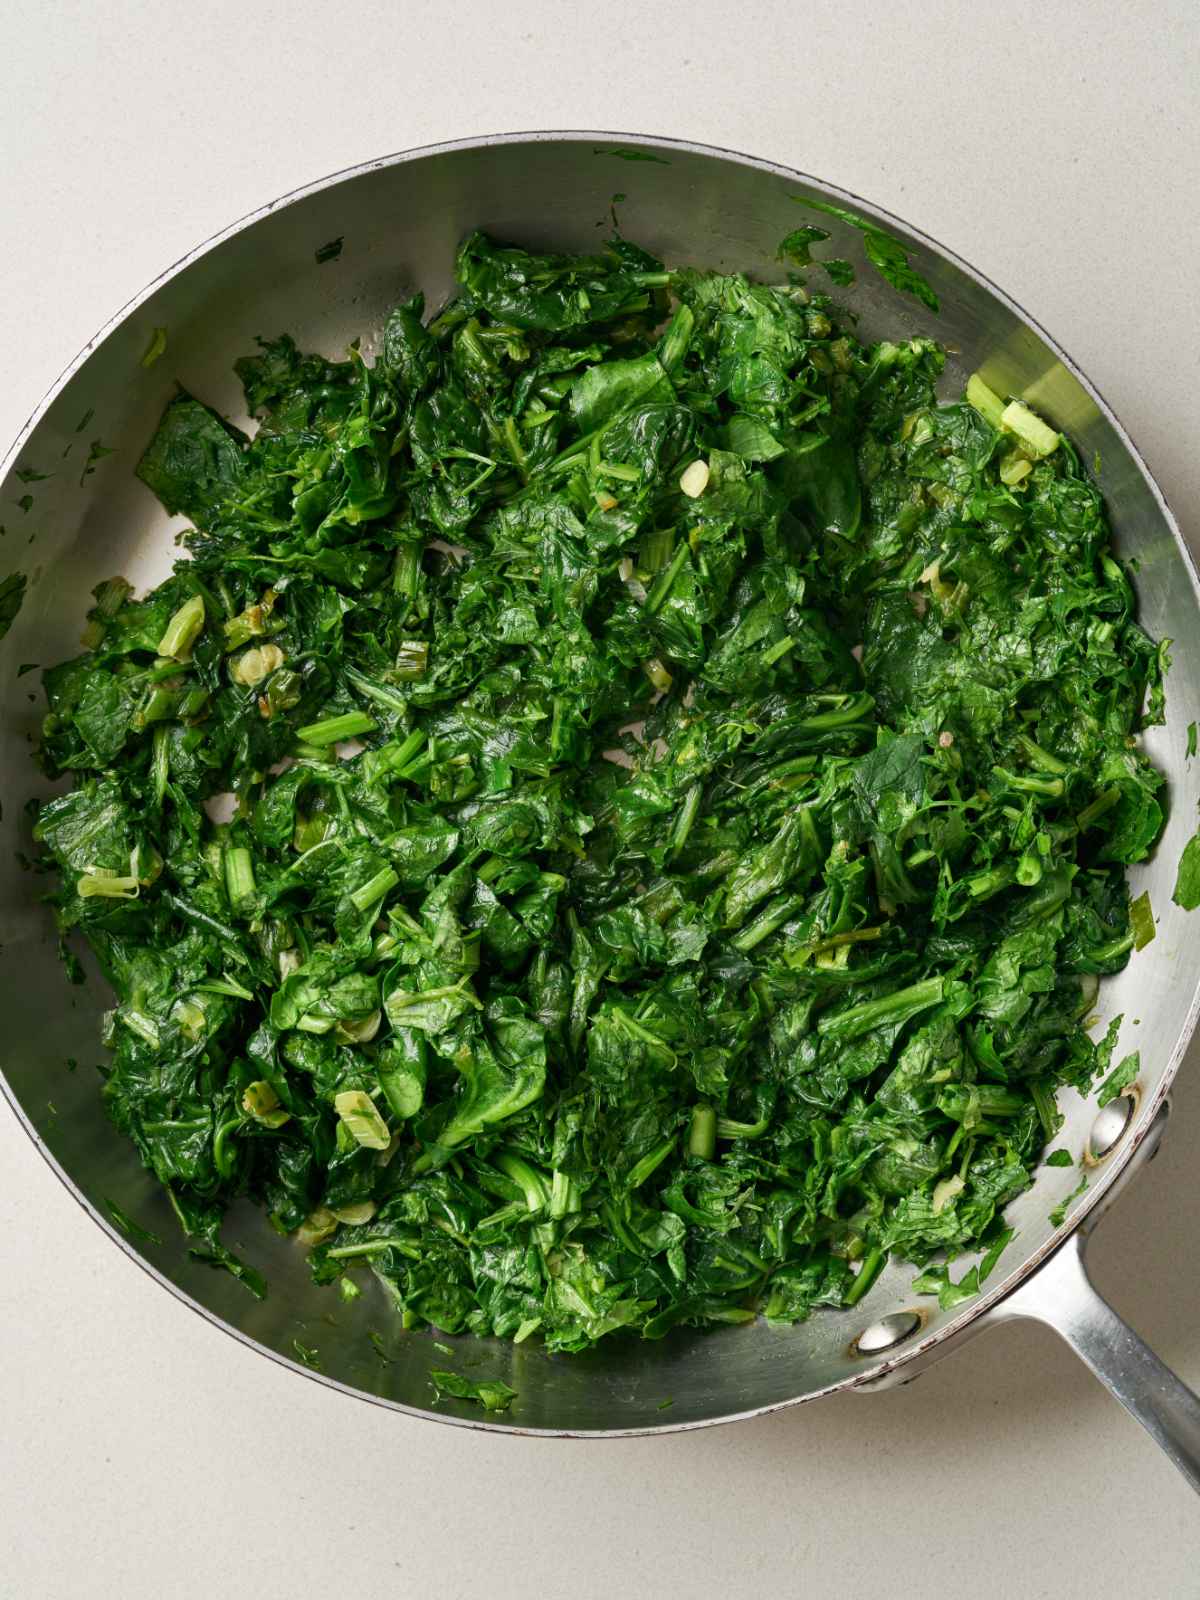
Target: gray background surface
<point>1057,147</point>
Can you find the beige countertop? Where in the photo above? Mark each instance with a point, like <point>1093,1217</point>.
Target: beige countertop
<point>1056,147</point>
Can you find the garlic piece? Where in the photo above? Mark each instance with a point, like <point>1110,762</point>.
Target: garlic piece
<point>694,479</point>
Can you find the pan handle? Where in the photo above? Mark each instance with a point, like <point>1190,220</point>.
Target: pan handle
<point>1062,1296</point>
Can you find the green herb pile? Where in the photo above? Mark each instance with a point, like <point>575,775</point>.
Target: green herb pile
<point>682,778</point>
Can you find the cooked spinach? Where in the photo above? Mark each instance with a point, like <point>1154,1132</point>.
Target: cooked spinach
<point>620,819</point>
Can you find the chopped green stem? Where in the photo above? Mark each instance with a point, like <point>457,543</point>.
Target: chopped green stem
<point>1102,954</point>
<point>894,1007</point>
<point>333,730</point>
<point>702,1135</point>
<point>655,551</point>
<point>676,340</point>
<point>665,581</point>
<point>1029,869</point>
<point>106,885</point>
<point>412,660</point>
<point>406,573</point>
<point>183,629</point>
<point>787,774</point>
<point>227,986</point>
<point>846,709</point>
<point>779,649</point>
<point>685,817</point>
<point>374,889</point>
<point>373,1247</point>
<point>224,1156</point>
<point>834,941</point>
<point>767,922</point>
<point>533,1184</point>
<point>565,1196</point>
<point>661,901</point>
<point>987,1099</point>
<point>727,1128</point>
<point>398,756</point>
<point>649,1164</point>
<point>1099,807</point>
<point>161,765</point>
<point>193,914</point>
<point>1042,758</point>
<point>239,878</point>
<point>872,1266</point>
<point>381,693</point>
<point>512,443</point>
<point>400,1000</point>
<point>158,705</point>
<point>985,884</point>
<point>1047,1110</point>
<point>1051,788</point>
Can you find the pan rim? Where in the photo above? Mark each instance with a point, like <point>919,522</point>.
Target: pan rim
<point>987,1301</point>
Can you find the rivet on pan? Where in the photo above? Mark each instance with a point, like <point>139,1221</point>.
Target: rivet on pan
<point>1110,1125</point>
<point>885,1333</point>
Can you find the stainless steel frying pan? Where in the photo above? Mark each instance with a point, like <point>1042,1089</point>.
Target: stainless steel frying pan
<point>400,220</point>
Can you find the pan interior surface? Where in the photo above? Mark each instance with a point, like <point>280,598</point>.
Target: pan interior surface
<point>400,221</point>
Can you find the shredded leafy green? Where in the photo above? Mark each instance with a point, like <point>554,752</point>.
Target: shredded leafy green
<point>12,597</point>
<point>620,819</point>
<point>1186,892</point>
<point>1059,1215</point>
<point>1119,1079</point>
<point>1141,917</point>
<point>633,155</point>
<point>130,1228</point>
<point>96,453</point>
<point>491,1394</point>
<point>307,1354</point>
<point>155,348</point>
<point>886,254</point>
